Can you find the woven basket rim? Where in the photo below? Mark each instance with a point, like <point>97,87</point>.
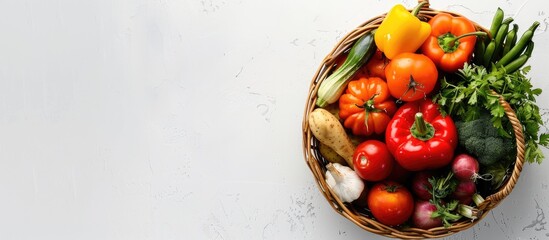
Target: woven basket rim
<point>312,157</point>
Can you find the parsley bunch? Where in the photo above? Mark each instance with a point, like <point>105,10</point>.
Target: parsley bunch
<point>474,89</point>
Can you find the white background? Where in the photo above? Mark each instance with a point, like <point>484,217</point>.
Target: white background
<point>174,119</point>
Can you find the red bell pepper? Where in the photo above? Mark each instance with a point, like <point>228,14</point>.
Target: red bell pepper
<point>420,138</point>
<point>451,42</point>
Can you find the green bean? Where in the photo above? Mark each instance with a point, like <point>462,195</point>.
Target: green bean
<point>529,49</point>
<point>519,62</point>
<point>516,64</point>
<point>510,40</point>
<point>487,60</point>
<point>496,22</point>
<point>519,47</point>
<point>480,48</point>
<point>500,37</point>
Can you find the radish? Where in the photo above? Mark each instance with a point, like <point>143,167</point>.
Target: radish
<point>422,215</point>
<point>464,192</point>
<point>421,186</point>
<point>465,167</point>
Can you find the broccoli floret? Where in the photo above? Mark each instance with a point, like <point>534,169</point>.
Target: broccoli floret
<point>482,140</point>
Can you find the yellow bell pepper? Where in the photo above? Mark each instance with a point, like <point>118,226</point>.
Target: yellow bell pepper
<point>401,31</point>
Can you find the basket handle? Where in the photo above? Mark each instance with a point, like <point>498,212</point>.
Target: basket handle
<point>494,199</point>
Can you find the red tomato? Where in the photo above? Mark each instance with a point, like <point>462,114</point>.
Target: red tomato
<point>372,160</point>
<point>390,203</point>
<point>376,65</point>
<point>411,76</point>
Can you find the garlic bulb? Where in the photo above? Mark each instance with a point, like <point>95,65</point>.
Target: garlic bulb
<point>344,182</point>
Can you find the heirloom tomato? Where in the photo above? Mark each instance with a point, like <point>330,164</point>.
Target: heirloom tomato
<point>366,107</point>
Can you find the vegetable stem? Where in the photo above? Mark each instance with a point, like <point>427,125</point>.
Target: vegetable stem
<point>391,188</point>
<point>420,123</point>
<point>368,107</point>
<point>477,34</point>
<point>442,186</point>
<point>467,211</point>
<point>422,130</point>
<point>418,7</point>
<point>447,212</point>
<point>477,199</point>
<point>449,42</point>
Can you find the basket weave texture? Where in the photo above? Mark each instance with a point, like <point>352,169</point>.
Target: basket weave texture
<point>314,161</point>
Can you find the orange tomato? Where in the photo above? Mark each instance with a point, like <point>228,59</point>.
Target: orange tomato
<point>376,65</point>
<point>391,203</point>
<point>366,107</point>
<point>411,76</point>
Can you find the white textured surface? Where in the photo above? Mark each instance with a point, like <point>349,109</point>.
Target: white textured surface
<point>166,119</point>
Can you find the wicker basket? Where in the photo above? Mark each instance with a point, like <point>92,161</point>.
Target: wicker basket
<point>316,163</point>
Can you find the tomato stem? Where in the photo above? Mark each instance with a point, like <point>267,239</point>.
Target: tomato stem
<point>369,104</point>
<point>391,188</point>
<point>368,107</point>
<point>412,85</point>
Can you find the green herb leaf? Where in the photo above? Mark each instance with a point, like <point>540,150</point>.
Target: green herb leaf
<point>498,111</point>
<point>544,139</point>
<point>473,98</point>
